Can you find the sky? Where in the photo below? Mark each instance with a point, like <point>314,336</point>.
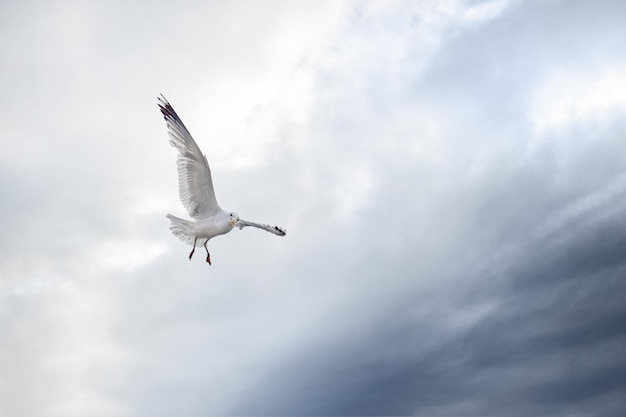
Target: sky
<point>451,175</point>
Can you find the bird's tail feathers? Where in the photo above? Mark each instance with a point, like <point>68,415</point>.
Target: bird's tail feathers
<point>181,228</point>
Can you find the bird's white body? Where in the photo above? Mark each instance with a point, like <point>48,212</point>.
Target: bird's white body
<point>196,190</point>
<point>203,229</point>
<point>218,224</point>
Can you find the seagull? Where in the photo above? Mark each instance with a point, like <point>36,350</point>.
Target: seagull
<point>196,192</point>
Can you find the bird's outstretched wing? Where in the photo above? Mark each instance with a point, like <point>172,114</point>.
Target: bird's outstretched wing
<point>272,229</point>
<point>195,185</point>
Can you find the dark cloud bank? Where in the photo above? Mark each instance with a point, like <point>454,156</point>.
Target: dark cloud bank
<point>540,260</point>
<point>480,273</point>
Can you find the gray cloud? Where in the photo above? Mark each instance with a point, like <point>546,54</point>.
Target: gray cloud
<point>447,254</point>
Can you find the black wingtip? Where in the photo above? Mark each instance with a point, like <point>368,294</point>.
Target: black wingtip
<point>166,108</point>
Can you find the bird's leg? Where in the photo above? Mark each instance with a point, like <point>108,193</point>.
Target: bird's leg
<point>194,247</point>
<point>208,255</point>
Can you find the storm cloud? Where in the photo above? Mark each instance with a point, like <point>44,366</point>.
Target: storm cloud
<point>451,175</point>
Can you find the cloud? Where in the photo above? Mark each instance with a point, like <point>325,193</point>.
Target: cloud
<point>568,99</point>
<point>450,175</point>
<point>501,316</point>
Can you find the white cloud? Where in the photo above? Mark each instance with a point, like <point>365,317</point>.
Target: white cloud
<point>571,98</point>
<point>356,125</point>
<point>486,10</point>
<point>125,254</point>
<point>352,189</point>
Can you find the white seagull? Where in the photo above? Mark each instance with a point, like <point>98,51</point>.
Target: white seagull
<point>195,188</point>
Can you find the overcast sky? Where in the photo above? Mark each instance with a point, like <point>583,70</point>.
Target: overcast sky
<point>451,175</point>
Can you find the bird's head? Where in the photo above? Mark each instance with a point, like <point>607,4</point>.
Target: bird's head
<point>233,218</point>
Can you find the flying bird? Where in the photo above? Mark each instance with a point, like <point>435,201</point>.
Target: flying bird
<point>196,192</point>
